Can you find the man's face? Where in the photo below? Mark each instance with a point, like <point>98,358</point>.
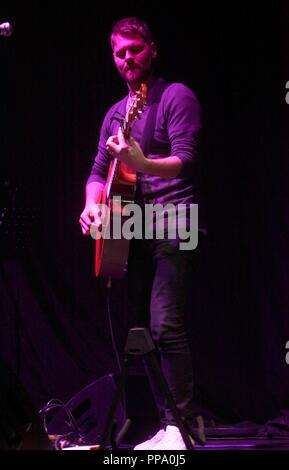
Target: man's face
<point>133,57</point>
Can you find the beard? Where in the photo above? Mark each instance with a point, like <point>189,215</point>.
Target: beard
<point>136,76</point>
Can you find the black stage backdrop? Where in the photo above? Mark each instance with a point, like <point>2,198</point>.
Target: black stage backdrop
<point>57,81</point>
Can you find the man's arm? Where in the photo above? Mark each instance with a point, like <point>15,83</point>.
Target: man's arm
<point>168,167</point>
<point>95,182</point>
<point>92,192</point>
<point>130,153</point>
<point>183,122</point>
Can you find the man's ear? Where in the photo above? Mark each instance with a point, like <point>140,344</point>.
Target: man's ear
<point>154,50</point>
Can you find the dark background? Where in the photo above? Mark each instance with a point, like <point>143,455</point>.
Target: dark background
<point>57,81</point>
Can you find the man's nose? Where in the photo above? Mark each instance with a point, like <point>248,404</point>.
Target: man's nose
<point>129,57</point>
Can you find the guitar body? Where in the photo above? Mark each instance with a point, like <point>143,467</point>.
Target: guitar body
<point>111,254</point>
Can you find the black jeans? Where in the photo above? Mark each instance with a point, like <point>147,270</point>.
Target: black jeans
<point>160,281</point>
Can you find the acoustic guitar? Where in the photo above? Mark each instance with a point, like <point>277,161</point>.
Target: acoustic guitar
<point>111,252</point>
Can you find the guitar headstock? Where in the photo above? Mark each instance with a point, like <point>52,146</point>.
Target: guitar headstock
<point>135,110</point>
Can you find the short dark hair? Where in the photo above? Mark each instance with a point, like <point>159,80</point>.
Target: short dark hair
<point>130,26</point>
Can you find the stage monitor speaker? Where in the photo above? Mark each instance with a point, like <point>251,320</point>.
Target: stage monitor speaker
<point>89,409</point>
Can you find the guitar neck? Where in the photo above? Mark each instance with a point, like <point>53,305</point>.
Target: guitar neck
<point>111,176</point>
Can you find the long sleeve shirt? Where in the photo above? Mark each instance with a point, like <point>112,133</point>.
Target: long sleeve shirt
<point>177,131</point>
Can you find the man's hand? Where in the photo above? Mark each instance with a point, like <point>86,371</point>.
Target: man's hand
<point>90,215</point>
<point>127,151</point>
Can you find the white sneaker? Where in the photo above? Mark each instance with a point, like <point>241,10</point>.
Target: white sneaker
<point>150,443</point>
<point>172,440</point>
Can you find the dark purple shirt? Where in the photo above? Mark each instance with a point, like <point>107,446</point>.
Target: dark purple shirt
<point>177,131</point>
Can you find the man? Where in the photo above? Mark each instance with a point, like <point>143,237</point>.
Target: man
<point>164,152</point>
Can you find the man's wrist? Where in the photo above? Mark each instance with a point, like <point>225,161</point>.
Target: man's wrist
<point>90,202</point>
<point>146,166</point>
